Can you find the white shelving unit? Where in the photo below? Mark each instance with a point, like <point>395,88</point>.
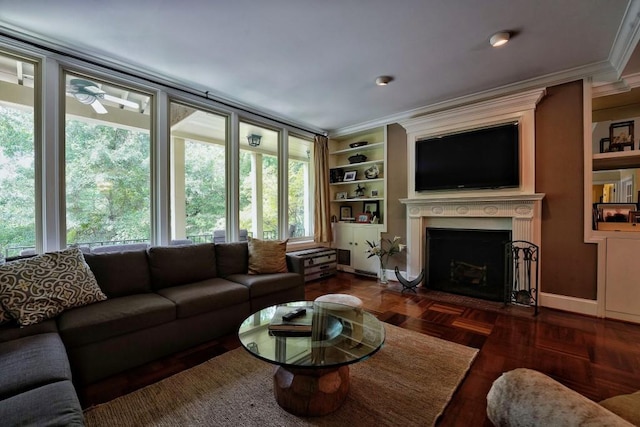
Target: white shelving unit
<point>350,236</point>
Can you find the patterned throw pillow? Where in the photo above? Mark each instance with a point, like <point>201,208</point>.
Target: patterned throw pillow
<point>5,317</point>
<point>267,256</point>
<point>39,288</point>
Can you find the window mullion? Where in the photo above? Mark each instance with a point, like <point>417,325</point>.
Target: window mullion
<point>49,142</point>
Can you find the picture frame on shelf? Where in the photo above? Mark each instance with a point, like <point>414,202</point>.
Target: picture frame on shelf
<point>372,207</point>
<point>374,193</point>
<point>615,212</point>
<point>605,145</point>
<point>349,176</point>
<point>621,135</point>
<point>336,175</point>
<point>634,217</point>
<point>342,195</point>
<point>363,218</point>
<point>346,213</point>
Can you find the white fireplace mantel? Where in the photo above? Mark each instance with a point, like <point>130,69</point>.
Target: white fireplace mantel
<point>521,214</point>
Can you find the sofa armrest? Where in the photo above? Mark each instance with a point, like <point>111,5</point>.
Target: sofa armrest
<point>524,397</point>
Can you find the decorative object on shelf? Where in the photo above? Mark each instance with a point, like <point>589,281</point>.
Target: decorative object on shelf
<point>409,285</point>
<point>372,172</point>
<point>336,175</point>
<point>342,195</point>
<point>363,218</point>
<point>254,140</point>
<point>346,214</point>
<point>621,135</point>
<point>372,207</point>
<point>378,249</point>
<point>374,193</point>
<point>359,191</point>
<point>349,176</point>
<point>358,144</point>
<point>357,158</point>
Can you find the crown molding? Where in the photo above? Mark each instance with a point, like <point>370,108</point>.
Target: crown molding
<point>624,84</point>
<point>578,73</point>
<point>627,37</point>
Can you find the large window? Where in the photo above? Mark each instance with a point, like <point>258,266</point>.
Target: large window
<point>259,181</point>
<point>198,174</point>
<point>17,157</point>
<point>107,164</point>
<point>300,211</point>
<point>88,162</point>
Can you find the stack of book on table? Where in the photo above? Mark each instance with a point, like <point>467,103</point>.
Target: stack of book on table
<point>299,326</point>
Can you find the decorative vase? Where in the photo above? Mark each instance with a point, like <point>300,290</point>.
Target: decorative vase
<point>382,276</point>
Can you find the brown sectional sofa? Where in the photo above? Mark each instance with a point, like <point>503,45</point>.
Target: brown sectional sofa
<point>160,300</point>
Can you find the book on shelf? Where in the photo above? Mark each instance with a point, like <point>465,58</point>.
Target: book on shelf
<point>299,326</point>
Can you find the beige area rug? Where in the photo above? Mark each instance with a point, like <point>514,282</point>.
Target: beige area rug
<point>407,383</point>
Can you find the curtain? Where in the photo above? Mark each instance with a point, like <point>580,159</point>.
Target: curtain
<point>322,220</point>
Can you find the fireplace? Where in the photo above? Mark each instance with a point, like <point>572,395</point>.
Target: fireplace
<point>468,262</point>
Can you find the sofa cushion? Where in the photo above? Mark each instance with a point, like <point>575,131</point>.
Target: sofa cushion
<point>264,284</point>
<point>232,258</point>
<point>178,265</point>
<point>121,273</point>
<point>205,296</point>
<point>40,288</point>
<point>267,256</point>
<point>114,317</point>
<point>626,406</point>
<point>30,362</point>
<point>12,331</point>
<point>54,404</point>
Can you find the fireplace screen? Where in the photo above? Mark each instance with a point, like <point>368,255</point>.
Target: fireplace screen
<point>467,262</point>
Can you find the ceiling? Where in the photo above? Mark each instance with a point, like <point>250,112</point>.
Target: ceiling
<point>313,63</point>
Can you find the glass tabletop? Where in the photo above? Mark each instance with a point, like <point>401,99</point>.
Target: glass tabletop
<point>326,335</point>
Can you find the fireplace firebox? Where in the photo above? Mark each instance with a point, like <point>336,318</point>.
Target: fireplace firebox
<point>468,262</point>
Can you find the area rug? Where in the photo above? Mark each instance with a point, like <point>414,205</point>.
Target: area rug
<point>407,383</point>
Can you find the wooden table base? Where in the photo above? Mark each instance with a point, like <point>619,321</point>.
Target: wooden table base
<point>311,392</point>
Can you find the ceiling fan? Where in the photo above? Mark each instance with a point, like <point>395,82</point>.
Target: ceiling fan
<point>87,92</point>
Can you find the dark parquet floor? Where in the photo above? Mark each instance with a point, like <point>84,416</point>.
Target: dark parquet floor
<point>598,358</point>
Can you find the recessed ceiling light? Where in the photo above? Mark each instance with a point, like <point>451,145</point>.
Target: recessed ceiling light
<point>499,39</point>
<point>383,80</point>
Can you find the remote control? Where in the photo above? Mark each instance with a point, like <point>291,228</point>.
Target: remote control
<point>293,314</point>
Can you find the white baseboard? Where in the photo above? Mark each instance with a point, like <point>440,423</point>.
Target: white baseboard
<point>391,275</point>
<point>575,305</point>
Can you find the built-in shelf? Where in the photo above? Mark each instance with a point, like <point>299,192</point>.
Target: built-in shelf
<point>368,147</point>
<point>357,165</point>
<point>359,199</point>
<point>616,160</point>
<point>357,181</point>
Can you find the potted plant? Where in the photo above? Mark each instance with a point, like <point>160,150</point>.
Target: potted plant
<point>385,249</point>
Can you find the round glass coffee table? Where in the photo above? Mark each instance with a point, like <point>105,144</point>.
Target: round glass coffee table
<point>312,351</point>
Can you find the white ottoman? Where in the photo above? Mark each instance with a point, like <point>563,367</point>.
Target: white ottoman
<point>348,309</point>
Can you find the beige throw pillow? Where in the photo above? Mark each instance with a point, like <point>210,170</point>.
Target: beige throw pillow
<point>39,288</point>
<point>267,256</point>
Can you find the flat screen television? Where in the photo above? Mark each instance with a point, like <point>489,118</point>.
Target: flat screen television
<point>481,158</point>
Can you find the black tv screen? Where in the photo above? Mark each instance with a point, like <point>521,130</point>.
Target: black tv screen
<point>482,158</point>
